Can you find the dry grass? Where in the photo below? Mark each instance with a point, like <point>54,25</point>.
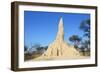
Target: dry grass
<point>29,57</point>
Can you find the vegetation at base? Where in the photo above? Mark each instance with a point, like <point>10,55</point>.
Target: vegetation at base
<point>82,43</point>
<point>35,51</point>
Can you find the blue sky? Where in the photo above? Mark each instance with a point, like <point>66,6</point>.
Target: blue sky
<point>41,27</point>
